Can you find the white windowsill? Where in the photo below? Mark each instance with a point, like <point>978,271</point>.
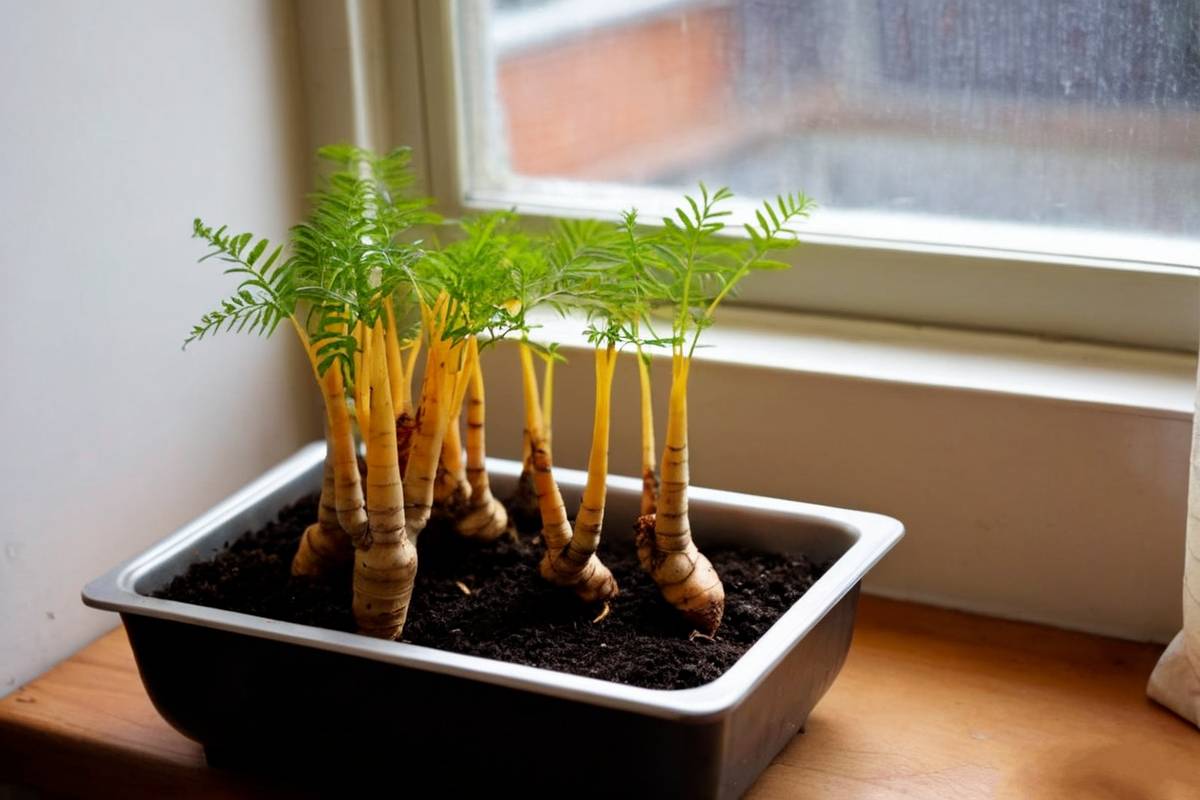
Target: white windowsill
<point>1147,382</point>
<point>1039,480</point>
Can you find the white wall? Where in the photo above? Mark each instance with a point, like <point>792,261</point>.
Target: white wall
<point>120,122</point>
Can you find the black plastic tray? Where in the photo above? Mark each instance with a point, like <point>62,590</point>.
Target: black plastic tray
<point>329,710</point>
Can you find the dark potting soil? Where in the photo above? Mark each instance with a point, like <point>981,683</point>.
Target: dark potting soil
<point>510,613</point>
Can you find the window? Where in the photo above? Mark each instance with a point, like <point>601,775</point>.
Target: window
<point>1029,166</point>
<point>1057,126</point>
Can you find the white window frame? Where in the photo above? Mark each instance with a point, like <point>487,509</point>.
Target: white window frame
<point>385,72</point>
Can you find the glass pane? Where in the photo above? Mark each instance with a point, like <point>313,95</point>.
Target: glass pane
<point>1079,113</point>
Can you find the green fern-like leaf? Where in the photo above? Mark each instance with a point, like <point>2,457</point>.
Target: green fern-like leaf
<point>344,261</point>
<point>264,296</point>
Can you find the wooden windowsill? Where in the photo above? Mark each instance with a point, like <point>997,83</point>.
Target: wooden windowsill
<point>931,703</point>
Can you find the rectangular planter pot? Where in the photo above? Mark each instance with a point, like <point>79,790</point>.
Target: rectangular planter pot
<point>319,704</point>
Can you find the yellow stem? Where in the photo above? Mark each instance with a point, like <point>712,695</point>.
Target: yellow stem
<point>362,383</point>
<point>684,575</point>
<point>385,567</point>
<point>395,358</point>
<point>452,454</point>
<point>486,517</point>
<point>556,530</point>
<point>324,546</point>
<point>410,367</point>
<point>476,444</point>
<point>453,486</point>
<point>672,527</point>
<point>348,483</point>
<point>548,403</point>
<point>533,407</point>
<point>590,519</point>
<point>462,376</point>
<point>585,574</point>
<point>649,476</point>
<point>437,390</point>
<point>451,489</point>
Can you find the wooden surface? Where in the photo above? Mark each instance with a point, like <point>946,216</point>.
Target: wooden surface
<point>931,703</point>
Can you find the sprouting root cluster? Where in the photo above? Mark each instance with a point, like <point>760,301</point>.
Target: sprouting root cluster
<point>370,301</point>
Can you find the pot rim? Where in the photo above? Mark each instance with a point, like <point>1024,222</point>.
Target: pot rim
<point>874,534</point>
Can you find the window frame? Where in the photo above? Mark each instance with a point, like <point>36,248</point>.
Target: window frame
<point>386,73</point>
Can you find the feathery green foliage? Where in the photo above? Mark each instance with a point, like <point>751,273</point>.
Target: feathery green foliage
<point>344,261</point>
<point>617,288</point>
<point>349,254</point>
<point>481,274</point>
<point>697,268</point>
<point>350,258</point>
<point>496,274</point>
<point>263,298</point>
<point>688,265</point>
<point>575,266</point>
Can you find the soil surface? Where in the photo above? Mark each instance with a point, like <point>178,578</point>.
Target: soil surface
<point>510,613</point>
